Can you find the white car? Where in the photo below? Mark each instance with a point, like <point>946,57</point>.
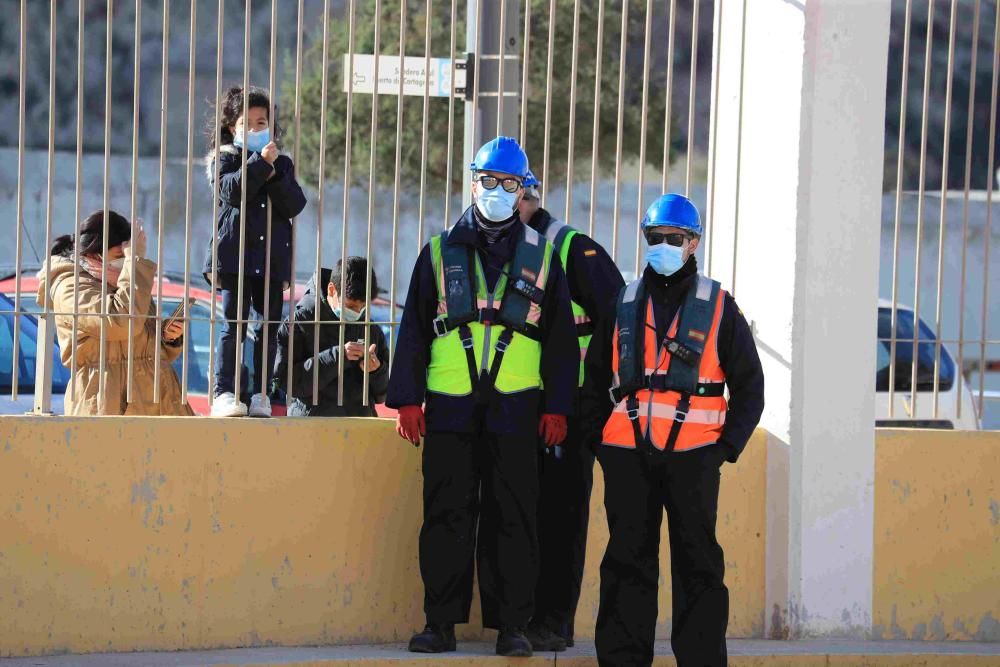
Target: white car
<point>956,407</point>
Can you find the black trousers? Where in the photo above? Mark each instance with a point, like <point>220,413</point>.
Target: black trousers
<point>490,480</point>
<point>230,347</point>
<point>563,518</point>
<point>637,489</point>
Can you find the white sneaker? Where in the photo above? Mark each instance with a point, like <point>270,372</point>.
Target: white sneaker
<point>260,406</point>
<point>226,405</point>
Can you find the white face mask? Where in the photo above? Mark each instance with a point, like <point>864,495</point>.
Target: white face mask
<point>349,315</point>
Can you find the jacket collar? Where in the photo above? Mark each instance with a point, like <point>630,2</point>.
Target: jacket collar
<point>540,221</point>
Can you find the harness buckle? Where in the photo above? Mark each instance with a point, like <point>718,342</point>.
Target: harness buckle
<point>611,393</point>
<point>632,413</point>
<point>502,345</point>
<point>467,343</point>
<point>440,327</point>
<point>481,317</point>
<point>680,416</point>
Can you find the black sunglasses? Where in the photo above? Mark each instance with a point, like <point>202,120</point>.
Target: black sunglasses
<point>674,238</point>
<point>509,184</point>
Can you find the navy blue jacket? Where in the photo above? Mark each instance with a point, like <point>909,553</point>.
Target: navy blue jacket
<point>511,413</point>
<point>737,356</point>
<point>263,182</point>
<point>594,279</point>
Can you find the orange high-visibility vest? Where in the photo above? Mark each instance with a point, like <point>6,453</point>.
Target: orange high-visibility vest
<point>655,411</point>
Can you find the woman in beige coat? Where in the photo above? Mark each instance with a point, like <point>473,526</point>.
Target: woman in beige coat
<point>83,296</point>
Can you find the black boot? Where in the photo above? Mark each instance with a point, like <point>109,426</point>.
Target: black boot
<point>434,639</point>
<point>566,632</point>
<point>512,643</point>
<point>543,639</point>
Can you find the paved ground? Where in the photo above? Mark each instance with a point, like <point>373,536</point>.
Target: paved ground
<point>742,653</point>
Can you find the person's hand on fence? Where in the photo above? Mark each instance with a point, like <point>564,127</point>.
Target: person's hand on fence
<point>270,153</point>
<point>136,247</point>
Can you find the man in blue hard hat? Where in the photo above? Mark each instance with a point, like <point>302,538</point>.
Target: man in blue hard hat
<point>484,327</point>
<point>677,343</point>
<point>567,472</point>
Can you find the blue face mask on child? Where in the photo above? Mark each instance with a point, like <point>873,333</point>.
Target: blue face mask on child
<point>255,139</point>
<point>665,259</point>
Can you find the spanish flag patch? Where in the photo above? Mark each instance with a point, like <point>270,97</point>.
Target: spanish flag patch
<point>694,334</point>
<point>589,253</point>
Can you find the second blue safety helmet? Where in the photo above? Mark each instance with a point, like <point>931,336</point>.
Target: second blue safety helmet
<point>503,155</point>
<point>673,210</point>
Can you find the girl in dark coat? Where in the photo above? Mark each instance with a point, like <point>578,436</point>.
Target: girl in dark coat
<point>270,179</point>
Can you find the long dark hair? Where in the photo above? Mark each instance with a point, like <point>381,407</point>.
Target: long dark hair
<point>228,111</point>
<point>90,240</point>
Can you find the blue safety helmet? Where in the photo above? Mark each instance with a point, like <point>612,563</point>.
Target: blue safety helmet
<point>502,155</point>
<point>672,210</point>
<point>530,181</point>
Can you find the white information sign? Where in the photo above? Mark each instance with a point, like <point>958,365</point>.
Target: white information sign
<point>438,78</point>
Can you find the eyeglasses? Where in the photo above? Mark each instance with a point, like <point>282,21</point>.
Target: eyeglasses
<point>674,238</point>
<point>509,184</point>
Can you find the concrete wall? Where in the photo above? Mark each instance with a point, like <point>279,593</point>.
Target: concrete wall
<point>937,536</point>
<point>168,533</point>
<point>124,534</point>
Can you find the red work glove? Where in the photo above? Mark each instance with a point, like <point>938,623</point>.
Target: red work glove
<point>552,429</point>
<point>410,423</point>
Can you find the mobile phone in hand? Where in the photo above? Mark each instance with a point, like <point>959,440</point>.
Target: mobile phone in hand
<point>179,311</point>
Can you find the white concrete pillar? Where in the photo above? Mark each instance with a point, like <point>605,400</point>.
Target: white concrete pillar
<point>798,179</point>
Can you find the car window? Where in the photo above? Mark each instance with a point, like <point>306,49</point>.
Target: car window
<point>926,353</point>
<point>27,354</point>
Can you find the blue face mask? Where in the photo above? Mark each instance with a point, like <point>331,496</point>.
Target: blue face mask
<point>497,204</point>
<point>255,141</point>
<point>665,259</point>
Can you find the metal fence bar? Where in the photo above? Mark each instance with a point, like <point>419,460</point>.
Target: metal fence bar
<point>164,91</point>
<point>71,389</point>
<point>523,138</point>
<point>713,140</point>
<point>188,214</point>
<point>669,93</point>
<point>647,41</point>
<point>478,76</point>
<point>398,176</point>
<point>739,147</point>
<point>595,132</point>
<point>22,78</point>
<point>974,52</point>
<point>240,280</point>
<point>572,111</point>
<point>692,94</point>
<point>989,212</point>
<point>451,133</point>
<point>423,127</point>
<point>347,195</point>
<point>502,55</point>
<point>548,101</point>
<point>216,191</point>
<point>929,45</point>
<point>289,394</point>
<point>43,349</point>
<point>371,212</point>
<point>130,363</point>
<point>103,354</point>
<point>899,205</point>
<point>622,53</point>
<point>944,200</point>
<point>265,371</point>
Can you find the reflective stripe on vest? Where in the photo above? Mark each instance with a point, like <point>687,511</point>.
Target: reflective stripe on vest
<point>658,411</point>
<point>448,371</point>
<point>560,235</point>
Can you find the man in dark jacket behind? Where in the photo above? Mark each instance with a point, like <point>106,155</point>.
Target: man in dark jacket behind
<point>333,303</point>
